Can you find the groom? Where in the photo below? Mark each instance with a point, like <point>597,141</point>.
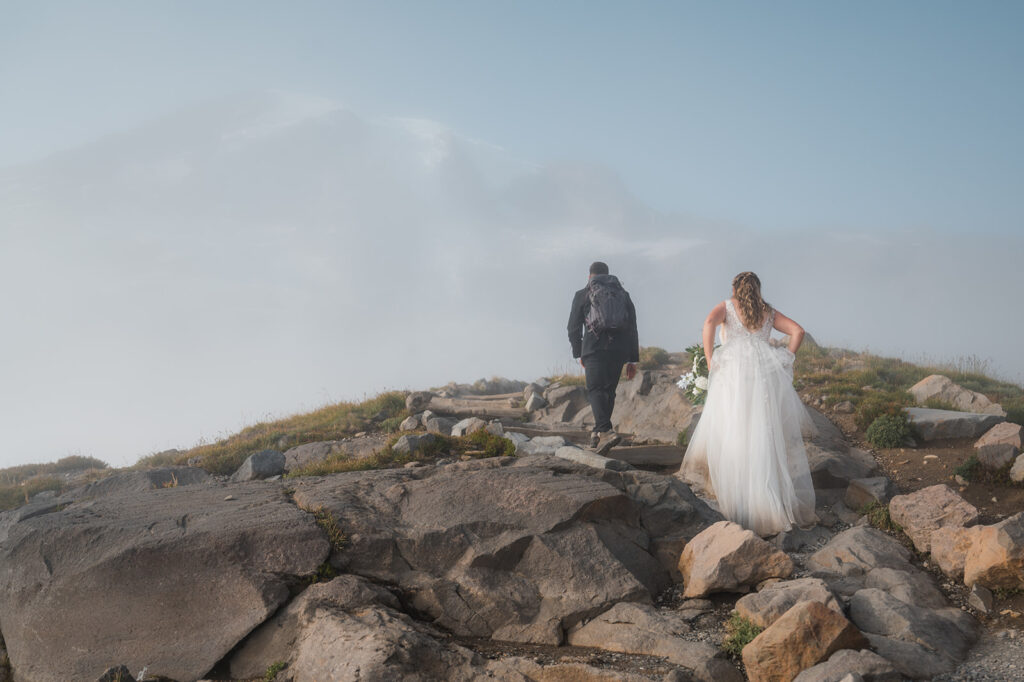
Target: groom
<point>602,331</point>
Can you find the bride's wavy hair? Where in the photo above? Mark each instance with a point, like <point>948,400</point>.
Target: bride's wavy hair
<point>753,308</point>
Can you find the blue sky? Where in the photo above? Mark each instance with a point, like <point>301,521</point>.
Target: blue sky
<point>845,116</point>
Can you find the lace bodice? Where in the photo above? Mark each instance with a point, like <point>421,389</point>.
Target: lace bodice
<point>733,329</point>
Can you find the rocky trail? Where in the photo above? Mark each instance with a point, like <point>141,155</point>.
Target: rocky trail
<point>553,564</point>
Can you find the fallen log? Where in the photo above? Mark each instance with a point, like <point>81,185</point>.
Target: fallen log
<point>474,408</point>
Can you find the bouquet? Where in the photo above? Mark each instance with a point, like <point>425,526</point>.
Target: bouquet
<point>695,382</point>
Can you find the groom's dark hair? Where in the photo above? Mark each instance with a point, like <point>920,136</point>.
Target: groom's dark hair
<point>598,268</point>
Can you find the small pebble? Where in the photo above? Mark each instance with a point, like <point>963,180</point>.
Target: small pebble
<point>229,497</point>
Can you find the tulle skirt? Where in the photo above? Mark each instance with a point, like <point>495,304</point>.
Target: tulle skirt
<point>747,450</point>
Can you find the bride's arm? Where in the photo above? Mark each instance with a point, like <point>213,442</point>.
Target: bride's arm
<point>715,318</point>
<point>788,326</point>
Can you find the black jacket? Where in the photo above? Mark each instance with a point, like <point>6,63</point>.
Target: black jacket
<point>584,342</point>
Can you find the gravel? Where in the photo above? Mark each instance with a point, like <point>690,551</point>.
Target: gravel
<point>997,657</point>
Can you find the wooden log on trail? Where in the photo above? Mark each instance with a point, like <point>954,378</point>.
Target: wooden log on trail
<point>474,408</point>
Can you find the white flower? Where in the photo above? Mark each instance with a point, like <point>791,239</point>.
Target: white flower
<point>685,381</point>
<point>696,391</point>
<point>701,383</point>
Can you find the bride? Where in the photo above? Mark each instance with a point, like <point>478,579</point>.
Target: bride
<point>747,449</point>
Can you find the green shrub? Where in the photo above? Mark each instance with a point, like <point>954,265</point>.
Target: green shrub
<point>653,357</point>
<point>740,633</point>
<point>325,519</point>
<point>273,670</point>
<point>682,439</point>
<point>878,517</point>
<point>889,431</point>
<point>970,469</point>
<point>874,406</point>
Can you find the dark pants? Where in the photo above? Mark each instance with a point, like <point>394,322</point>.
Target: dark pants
<point>603,369</point>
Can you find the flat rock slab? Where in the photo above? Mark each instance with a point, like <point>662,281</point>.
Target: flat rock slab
<point>651,456</point>
<point>591,458</point>
<point>168,579</point>
<point>947,424</point>
<point>858,550</point>
<point>868,665</point>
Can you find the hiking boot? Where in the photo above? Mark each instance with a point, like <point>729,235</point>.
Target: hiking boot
<point>609,439</point>
<point>595,438</point>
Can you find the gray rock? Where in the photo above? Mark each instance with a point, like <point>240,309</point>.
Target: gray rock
<point>980,598</point>
<point>440,425</point>
<point>864,491</point>
<point>542,445</point>
<point>942,388</point>
<point>654,456</point>
<point>260,465</point>
<point>470,554</point>
<point>951,632</point>
<point>535,402</point>
<point>641,629</point>
<point>799,540</point>
<point>997,455</point>
<point>516,437</point>
<point>909,585</point>
<point>468,426</point>
<point>591,459</point>
<point>410,423</point>
<point>497,386</point>
<point>652,408</point>
<point>946,424</point>
<point>915,661</point>
<point>418,401</point>
<point>310,453</point>
<point>845,407</point>
<point>1017,470</point>
<point>409,444</point>
<point>143,577</point>
<point>495,429</point>
<point>924,511</point>
<point>865,664</point>
<point>859,550</point>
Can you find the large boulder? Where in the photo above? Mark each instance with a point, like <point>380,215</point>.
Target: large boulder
<point>1017,470</point>
<point>767,606</point>
<point>351,448</point>
<point>833,463</point>
<point>865,491</point>
<point>168,579</point>
<point>805,635</point>
<point>260,465</point>
<point>541,445</point>
<point>948,632</point>
<point>947,424</point>
<point>923,512</point>
<point>349,629</point>
<point>996,557</point>
<point>468,426</point>
<point>940,388</point>
<point>728,558</point>
<point>651,407</point>
<point>511,548</point>
<point>642,629</point>
<point>1000,445</point>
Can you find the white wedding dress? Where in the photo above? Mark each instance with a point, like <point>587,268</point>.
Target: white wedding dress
<point>747,449</point>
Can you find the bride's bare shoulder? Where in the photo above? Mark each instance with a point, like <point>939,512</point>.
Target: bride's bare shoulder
<point>717,314</point>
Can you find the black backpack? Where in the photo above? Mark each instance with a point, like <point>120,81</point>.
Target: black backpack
<point>609,311</point>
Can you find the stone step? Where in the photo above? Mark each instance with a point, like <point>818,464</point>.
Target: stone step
<point>947,424</point>
<point>648,456</point>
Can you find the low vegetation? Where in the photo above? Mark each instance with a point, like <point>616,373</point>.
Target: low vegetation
<point>476,445</point>
<point>325,519</point>
<point>653,357</point>
<point>19,484</point>
<point>273,670</point>
<point>889,431</point>
<point>878,516</point>
<point>334,422</point>
<point>740,632</point>
<point>877,385</point>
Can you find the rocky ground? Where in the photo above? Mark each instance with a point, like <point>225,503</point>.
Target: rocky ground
<point>553,564</point>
